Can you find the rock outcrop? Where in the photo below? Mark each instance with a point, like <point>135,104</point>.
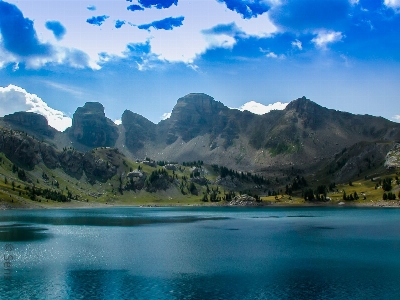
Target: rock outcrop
<point>392,159</point>
<point>97,168</point>
<point>20,148</point>
<point>72,162</point>
<point>30,122</point>
<point>92,128</point>
<point>138,130</point>
<point>75,163</point>
<point>244,200</point>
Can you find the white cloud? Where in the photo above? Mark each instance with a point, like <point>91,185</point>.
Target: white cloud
<point>182,44</point>
<point>260,109</point>
<point>325,37</point>
<point>395,4</point>
<point>166,116</point>
<point>396,118</point>
<point>118,122</point>
<point>14,98</point>
<point>298,44</point>
<point>273,55</point>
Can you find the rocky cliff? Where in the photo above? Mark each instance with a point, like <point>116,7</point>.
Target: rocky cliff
<point>138,130</point>
<point>30,122</point>
<point>91,127</point>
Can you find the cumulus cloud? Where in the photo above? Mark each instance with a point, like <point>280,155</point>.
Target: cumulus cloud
<point>396,118</point>
<point>14,98</point>
<point>247,9</point>
<point>325,37</point>
<point>166,116</point>
<point>159,4</point>
<point>395,4</point>
<point>118,122</point>
<point>166,24</point>
<point>57,28</point>
<point>98,20</point>
<point>119,23</point>
<point>260,109</point>
<point>134,7</point>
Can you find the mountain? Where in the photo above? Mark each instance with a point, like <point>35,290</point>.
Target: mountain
<point>304,136</point>
<point>91,127</point>
<point>219,151</point>
<point>30,122</point>
<point>138,130</point>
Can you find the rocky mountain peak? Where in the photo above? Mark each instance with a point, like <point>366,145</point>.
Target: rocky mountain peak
<point>129,117</point>
<point>303,105</point>
<point>197,103</point>
<point>138,130</point>
<point>193,115</point>
<point>91,127</point>
<point>29,121</point>
<point>195,97</point>
<point>91,108</point>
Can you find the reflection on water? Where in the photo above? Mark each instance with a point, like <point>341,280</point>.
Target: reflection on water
<point>21,232</point>
<point>202,253</point>
<point>104,220</point>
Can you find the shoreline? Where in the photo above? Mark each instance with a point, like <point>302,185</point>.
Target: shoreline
<point>85,205</point>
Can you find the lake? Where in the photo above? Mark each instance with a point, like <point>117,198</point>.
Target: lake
<point>200,253</point>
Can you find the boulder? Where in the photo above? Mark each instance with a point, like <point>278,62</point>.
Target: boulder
<point>135,174</point>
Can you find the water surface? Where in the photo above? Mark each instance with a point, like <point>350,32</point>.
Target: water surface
<point>201,253</point>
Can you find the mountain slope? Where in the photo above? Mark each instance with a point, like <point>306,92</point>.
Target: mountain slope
<point>304,136</point>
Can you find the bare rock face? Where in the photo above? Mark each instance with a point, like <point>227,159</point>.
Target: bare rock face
<point>71,162</point>
<point>138,130</point>
<point>392,160</point>
<point>75,163</point>
<point>96,168</point>
<point>196,114</point>
<point>92,128</point>
<point>20,148</point>
<point>49,156</point>
<point>30,122</point>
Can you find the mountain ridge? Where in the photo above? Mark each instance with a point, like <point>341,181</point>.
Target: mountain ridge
<point>201,128</point>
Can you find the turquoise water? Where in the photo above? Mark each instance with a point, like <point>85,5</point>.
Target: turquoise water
<point>201,253</point>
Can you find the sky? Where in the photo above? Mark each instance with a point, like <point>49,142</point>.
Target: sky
<point>143,55</point>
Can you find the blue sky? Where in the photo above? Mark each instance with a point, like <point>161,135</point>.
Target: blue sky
<point>143,55</point>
